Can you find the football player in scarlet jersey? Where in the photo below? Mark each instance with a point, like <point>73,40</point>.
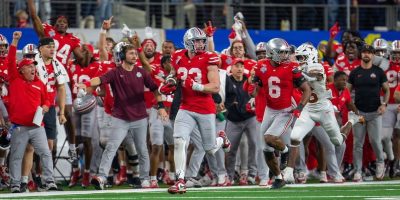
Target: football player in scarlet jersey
<point>278,78</point>
<point>65,44</point>
<point>197,71</point>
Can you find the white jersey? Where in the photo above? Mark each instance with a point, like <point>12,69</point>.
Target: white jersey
<point>320,96</point>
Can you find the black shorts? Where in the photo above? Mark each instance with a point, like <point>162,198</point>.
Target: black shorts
<point>49,120</point>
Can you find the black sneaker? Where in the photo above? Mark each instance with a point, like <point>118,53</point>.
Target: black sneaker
<point>38,181</point>
<point>278,183</point>
<point>136,182</point>
<point>348,171</point>
<point>24,188</point>
<point>49,186</point>
<point>109,182</point>
<point>15,189</point>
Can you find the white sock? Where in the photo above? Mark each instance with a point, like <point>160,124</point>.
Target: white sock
<point>153,178</point>
<point>24,179</point>
<point>2,160</point>
<point>285,150</point>
<point>180,157</point>
<point>171,175</point>
<point>279,176</point>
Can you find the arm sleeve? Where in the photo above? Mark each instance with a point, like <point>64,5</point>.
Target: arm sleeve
<point>351,77</point>
<point>12,63</point>
<point>148,81</point>
<point>384,78</point>
<point>250,46</point>
<point>107,77</point>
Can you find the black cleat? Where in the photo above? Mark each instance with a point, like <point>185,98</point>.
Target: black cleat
<point>278,183</point>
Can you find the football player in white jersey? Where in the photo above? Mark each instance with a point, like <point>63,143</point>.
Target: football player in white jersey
<point>319,109</point>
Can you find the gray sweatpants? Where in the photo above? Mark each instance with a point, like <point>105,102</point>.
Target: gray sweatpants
<point>373,126</point>
<point>136,132</point>
<point>234,132</point>
<point>19,140</point>
<point>262,167</point>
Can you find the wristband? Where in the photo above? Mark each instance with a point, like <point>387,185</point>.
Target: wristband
<point>210,39</point>
<point>300,107</point>
<point>103,31</point>
<point>198,87</point>
<point>160,105</point>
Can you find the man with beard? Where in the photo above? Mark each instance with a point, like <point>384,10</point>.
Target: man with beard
<point>368,80</point>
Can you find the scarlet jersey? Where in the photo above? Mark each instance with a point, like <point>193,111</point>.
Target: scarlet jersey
<point>328,69</point>
<point>197,69</point>
<point>343,64</point>
<point>249,64</point>
<point>393,77</point>
<point>278,82</point>
<point>81,74</point>
<point>64,44</point>
<point>104,67</point>
<point>26,95</point>
<point>149,96</point>
<point>340,100</point>
<point>158,75</point>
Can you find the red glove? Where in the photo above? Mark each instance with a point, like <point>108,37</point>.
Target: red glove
<point>167,88</point>
<point>251,106</point>
<point>232,35</point>
<point>297,111</point>
<point>209,29</point>
<point>334,30</point>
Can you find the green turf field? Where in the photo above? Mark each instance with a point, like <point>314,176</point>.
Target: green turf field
<point>370,190</point>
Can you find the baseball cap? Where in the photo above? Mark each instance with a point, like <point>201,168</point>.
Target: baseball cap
<point>237,60</point>
<point>367,48</point>
<point>26,61</point>
<point>45,41</point>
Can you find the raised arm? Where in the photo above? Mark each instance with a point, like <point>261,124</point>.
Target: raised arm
<point>37,23</point>
<point>102,40</point>
<point>12,55</point>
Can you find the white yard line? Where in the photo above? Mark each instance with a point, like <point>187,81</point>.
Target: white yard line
<point>40,194</point>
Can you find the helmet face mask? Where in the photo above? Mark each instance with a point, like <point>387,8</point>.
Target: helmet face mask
<point>279,50</point>
<point>3,46</point>
<point>306,54</point>
<point>29,51</point>
<point>395,52</point>
<point>381,47</point>
<point>195,40</point>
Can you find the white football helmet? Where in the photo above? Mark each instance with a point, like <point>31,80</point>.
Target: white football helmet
<point>29,50</point>
<point>381,47</point>
<point>307,54</point>
<point>279,50</point>
<point>4,46</point>
<point>395,51</point>
<point>191,36</point>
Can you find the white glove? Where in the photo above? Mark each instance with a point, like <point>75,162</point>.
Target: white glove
<point>126,32</point>
<point>4,91</point>
<point>148,32</point>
